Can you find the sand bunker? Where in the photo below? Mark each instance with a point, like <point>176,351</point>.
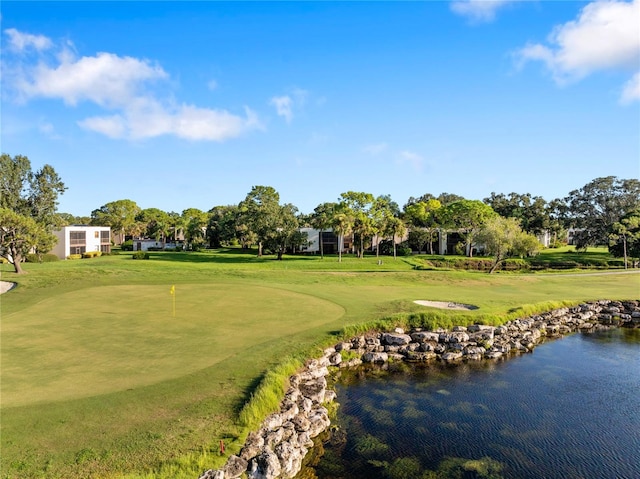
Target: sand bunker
<point>445,305</point>
<point>6,286</point>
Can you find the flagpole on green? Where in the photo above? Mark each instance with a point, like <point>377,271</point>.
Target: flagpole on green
<point>173,296</point>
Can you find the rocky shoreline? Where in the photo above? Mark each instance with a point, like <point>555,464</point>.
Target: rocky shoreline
<point>277,449</point>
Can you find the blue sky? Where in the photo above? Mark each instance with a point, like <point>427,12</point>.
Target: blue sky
<point>190,104</point>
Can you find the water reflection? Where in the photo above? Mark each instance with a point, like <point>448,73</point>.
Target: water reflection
<point>570,410</point>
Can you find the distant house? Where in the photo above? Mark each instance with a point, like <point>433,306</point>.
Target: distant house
<point>145,244</point>
<point>329,241</point>
<point>78,239</point>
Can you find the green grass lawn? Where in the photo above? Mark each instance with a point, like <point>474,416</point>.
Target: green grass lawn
<point>99,379</point>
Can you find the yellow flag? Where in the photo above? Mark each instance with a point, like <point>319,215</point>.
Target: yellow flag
<point>173,290</point>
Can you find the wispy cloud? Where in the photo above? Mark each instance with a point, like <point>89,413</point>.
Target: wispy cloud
<point>22,41</point>
<point>478,11</point>
<point>124,87</point>
<point>48,130</point>
<point>631,90</point>
<point>604,36</point>
<point>285,105</point>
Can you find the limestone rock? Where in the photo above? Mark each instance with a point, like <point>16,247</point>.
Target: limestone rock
<point>375,357</point>
<point>264,466</point>
<point>234,468</point>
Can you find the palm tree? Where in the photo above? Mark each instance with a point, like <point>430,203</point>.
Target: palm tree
<point>342,224</point>
<point>321,219</point>
<point>394,226</point>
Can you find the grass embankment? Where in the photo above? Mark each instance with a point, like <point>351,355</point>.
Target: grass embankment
<point>99,379</point>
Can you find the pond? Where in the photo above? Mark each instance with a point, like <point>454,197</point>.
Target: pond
<point>570,409</point>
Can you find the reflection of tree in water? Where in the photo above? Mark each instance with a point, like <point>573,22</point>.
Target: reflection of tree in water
<point>615,335</point>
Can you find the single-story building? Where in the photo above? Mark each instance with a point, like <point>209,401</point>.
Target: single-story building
<point>78,239</point>
<point>147,244</point>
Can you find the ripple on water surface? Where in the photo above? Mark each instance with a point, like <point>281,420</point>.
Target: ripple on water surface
<point>570,410</point>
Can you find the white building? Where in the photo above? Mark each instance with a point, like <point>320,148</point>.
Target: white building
<point>150,244</point>
<point>78,239</point>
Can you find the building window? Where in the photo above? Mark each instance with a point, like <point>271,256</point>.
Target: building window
<point>96,234</point>
<point>77,238</point>
<point>105,237</point>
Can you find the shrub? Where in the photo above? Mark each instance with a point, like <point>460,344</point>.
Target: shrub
<point>92,254</point>
<point>127,245</point>
<point>74,256</point>
<point>140,255</point>
<point>41,258</point>
<point>515,264</point>
<point>403,249</point>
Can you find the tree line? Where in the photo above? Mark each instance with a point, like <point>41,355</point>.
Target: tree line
<point>606,211</point>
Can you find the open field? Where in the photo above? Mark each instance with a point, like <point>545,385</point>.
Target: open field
<point>99,379</point>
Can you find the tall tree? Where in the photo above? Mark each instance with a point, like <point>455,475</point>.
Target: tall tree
<point>593,209</point>
<point>155,223</point>
<point>258,212</point>
<point>120,215</point>
<point>18,235</point>
<point>531,211</point>
<point>342,224</point>
<point>67,219</point>
<point>394,227</point>
<point>321,220</point>
<point>423,216</point>
<point>285,232</point>
<point>359,203</point>
<point>195,224</point>
<point>624,239</point>
<point>468,217</point>
<point>29,201</point>
<point>444,199</point>
<point>222,225</point>
<point>381,210</point>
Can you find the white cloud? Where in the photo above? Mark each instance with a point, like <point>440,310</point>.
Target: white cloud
<point>21,41</point>
<point>284,106</point>
<point>604,36</point>
<point>631,90</point>
<point>113,126</point>
<point>123,86</point>
<point>478,10</point>
<point>146,118</point>
<point>105,79</point>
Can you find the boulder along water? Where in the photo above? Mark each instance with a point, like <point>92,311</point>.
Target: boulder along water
<point>278,448</point>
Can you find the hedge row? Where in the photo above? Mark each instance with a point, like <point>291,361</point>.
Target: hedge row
<point>517,264</point>
<point>41,258</point>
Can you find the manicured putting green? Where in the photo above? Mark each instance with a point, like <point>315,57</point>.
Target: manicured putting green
<point>111,338</point>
